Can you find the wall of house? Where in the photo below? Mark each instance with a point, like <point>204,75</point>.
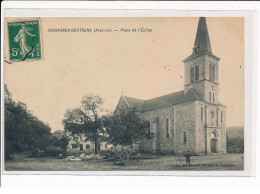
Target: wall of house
<point>74,145</point>
<point>88,146</point>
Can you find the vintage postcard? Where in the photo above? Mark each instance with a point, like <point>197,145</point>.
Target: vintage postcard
<point>124,94</point>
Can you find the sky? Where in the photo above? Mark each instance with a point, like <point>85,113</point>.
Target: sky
<point>143,65</point>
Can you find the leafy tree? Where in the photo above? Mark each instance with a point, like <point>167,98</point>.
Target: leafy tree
<point>86,120</point>
<point>125,128</point>
<point>64,142</point>
<point>235,144</point>
<point>24,133</point>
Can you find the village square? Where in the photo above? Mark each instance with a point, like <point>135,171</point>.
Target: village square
<point>183,130</point>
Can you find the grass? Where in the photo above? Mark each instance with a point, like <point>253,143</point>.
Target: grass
<point>168,162</point>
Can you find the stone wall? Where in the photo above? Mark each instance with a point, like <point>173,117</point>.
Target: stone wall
<point>159,142</point>
<point>209,59</point>
<point>200,127</point>
<point>199,60</point>
<point>203,85</point>
<point>185,121</point>
<point>214,125</point>
<point>185,117</point>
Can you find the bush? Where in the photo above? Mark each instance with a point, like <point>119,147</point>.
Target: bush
<point>78,152</point>
<point>53,152</point>
<point>103,152</point>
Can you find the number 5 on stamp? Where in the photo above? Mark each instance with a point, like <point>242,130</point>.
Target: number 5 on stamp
<point>24,40</point>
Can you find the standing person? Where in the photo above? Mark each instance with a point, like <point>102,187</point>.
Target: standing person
<point>187,155</point>
<point>21,37</point>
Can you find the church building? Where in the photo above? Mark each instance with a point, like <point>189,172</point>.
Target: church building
<point>192,119</point>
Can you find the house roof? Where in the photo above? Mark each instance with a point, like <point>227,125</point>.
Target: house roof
<point>162,101</point>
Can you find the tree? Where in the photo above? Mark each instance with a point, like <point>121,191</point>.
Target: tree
<point>125,128</point>
<point>235,145</point>
<point>23,131</point>
<point>64,142</point>
<point>86,120</point>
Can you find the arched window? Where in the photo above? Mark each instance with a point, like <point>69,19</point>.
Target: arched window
<point>184,138</point>
<point>213,134</point>
<point>210,97</point>
<point>167,128</point>
<point>213,97</point>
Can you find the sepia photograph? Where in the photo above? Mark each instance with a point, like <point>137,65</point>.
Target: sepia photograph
<point>123,94</point>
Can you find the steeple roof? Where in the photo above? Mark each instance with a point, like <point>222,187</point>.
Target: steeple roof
<point>202,42</point>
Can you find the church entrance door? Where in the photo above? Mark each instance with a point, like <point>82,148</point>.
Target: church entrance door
<point>213,145</point>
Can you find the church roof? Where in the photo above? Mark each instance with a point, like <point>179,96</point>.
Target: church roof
<point>202,41</point>
<point>162,101</point>
<point>134,102</point>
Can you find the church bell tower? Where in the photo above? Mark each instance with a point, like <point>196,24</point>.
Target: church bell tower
<point>201,67</point>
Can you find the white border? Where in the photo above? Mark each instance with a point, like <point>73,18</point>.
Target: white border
<point>156,9</point>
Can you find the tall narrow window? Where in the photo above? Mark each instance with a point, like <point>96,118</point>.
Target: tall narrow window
<point>184,138</point>
<point>197,72</point>
<point>210,96</point>
<point>213,72</point>
<point>221,117</point>
<point>210,72</point>
<point>201,113</point>
<point>167,128</point>
<point>217,117</point>
<point>213,97</point>
<point>192,74</point>
<point>148,132</point>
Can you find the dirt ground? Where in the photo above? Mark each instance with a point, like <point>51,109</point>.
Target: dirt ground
<point>169,162</point>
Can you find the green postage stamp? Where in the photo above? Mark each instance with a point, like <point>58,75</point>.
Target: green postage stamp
<point>24,40</point>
